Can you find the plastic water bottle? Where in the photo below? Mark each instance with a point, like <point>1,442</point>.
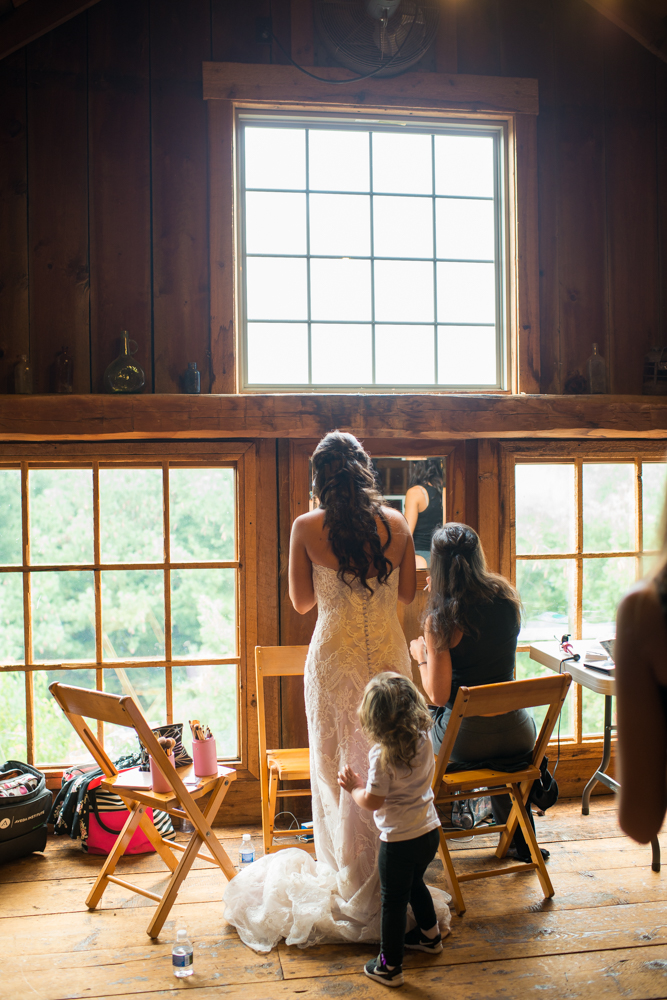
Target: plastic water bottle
<point>181,954</point>
<point>246,851</point>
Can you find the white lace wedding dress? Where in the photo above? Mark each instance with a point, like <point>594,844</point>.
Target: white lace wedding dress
<point>336,898</point>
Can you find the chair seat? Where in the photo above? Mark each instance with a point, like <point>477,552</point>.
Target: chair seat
<point>461,781</point>
<point>290,764</point>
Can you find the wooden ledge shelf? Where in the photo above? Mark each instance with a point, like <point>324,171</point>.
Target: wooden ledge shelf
<point>308,415</point>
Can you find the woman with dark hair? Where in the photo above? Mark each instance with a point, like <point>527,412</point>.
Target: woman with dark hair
<point>471,625</point>
<point>353,557</point>
<point>423,507</point>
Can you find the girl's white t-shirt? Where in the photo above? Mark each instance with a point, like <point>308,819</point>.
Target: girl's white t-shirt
<point>408,810</point>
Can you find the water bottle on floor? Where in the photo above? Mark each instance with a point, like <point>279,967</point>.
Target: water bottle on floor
<point>181,955</point>
<point>246,851</point>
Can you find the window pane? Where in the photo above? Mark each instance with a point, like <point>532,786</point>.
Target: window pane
<point>12,717</point>
<point>210,695</point>
<point>609,507</point>
<point>275,222</point>
<point>147,686</point>
<point>402,164</point>
<point>527,668</point>
<point>467,355</point>
<point>466,293</point>
<point>340,290</point>
<point>545,506</point>
<point>276,288</point>
<point>404,355</point>
<point>11,618</point>
<point>275,157</point>
<point>203,612</point>
<point>654,482</point>
<point>592,713</point>
<point>342,354</point>
<point>546,587</point>
<point>404,291</point>
<point>201,514</point>
<point>277,353</point>
<point>605,582</point>
<point>338,160</point>
<point>10,516</point>
<point>133,614</point>
<point>465,229</point>
<point>340,224</point>
<point>63,617</point>
<point>57,742</point>
<point>61,515</point>
<point>131,527</point>
<point>403,227</point>
<point>464,165</point>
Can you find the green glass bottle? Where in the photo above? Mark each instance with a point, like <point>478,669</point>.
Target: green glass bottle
<point>125,374</point>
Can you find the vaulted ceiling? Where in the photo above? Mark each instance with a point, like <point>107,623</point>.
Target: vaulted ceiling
<point>21,21</point>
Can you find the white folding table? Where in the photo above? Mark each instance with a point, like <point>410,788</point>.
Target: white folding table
<point>550,655</point>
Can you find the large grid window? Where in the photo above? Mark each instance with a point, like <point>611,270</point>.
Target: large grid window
<point>372,255</point>
<point>585,531</point>
<point>120,577</point>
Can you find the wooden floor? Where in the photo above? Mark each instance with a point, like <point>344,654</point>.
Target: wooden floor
<point>604,934</point>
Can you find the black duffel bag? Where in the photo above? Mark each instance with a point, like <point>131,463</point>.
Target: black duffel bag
<point>23,817</point>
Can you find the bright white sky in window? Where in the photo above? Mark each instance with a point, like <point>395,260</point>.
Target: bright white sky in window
<point>370,258</point>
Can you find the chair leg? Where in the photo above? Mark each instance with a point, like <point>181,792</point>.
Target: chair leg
<point>137,812</point>
<point>167,855</point>
<point>459,905</point>
<point>203,834</point>
<point>531,840</point>
<point>507,837</point>
<point>273,798</point>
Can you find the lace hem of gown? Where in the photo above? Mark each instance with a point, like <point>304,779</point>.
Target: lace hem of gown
<point>297,899</point>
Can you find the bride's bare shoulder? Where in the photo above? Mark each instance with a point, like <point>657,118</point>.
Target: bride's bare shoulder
<point>396,520</point>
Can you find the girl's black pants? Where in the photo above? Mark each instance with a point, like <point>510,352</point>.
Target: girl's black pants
<point>402,864</point>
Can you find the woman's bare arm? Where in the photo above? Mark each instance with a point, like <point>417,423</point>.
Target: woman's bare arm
<point>414,504</point>
<point>435,666</point>
<point>301,590</point>
<point>642,728</point>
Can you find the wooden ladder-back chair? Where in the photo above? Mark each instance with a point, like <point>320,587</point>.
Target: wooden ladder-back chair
<point>449,787</point>
<point>279,765</point>
<point>135,789</point>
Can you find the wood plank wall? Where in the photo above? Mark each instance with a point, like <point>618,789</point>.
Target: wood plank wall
<point>103,178</point>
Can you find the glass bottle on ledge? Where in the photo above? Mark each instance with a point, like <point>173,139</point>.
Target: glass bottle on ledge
<point>64,371</point>
<point>125,374</point>
<point>192,378</point>
<point>597,372</point>
<point>23,376</point>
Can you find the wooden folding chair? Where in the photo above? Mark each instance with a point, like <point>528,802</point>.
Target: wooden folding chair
<point>449,787</point>
<point>279,765</point>
<point>134,788</point>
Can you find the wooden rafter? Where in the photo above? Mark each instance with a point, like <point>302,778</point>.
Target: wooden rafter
<point>641,21</point>
<point>32,19</point>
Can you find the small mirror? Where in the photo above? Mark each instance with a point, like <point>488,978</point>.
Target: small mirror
<point>416,487</point>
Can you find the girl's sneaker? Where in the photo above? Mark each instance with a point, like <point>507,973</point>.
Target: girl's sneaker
<point>377,969</point>
<point>418,941</point>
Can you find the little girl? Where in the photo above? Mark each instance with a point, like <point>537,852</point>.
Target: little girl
<point>395,718</point>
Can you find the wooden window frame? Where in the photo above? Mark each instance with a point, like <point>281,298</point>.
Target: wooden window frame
<point>237,455</point>
<point>572,453</point>
<point>232,88</point>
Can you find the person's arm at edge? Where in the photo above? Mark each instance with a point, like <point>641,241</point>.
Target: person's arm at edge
<point>301,590</point>
<point>412,508</point>
<point>642,728</point>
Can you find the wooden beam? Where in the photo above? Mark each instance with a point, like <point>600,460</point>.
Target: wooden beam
<point>649,31</point>
<point>285,85</point>
<point>443,417</point>
<point>34,19</point>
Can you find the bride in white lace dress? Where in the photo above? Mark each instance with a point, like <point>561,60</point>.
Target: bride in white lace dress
<point>354,558</point>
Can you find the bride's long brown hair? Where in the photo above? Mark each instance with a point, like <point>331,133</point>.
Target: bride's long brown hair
<point>344,483</point>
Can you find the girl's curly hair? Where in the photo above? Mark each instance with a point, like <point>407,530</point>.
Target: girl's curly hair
<point>344,483</point>
<point>394,714</point>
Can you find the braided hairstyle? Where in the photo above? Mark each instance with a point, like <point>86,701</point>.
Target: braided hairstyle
<point>460,582</point>
<point>344,483</point>
<point>394,714</point>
